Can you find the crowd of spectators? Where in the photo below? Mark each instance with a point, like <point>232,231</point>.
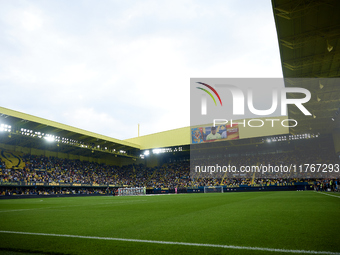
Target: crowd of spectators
<point>7,191</point>
<point>41,169</point>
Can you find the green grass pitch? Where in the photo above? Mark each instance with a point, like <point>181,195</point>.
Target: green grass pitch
<point>289,220</point>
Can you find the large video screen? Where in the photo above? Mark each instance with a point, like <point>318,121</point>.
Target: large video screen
<point>212,134</point>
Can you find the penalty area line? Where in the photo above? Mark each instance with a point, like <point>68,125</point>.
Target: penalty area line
<point>174,243</point>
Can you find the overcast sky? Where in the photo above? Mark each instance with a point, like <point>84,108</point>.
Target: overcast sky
<point>105,66</point>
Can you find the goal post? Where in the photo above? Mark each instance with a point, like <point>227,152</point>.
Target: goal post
<point>213,189</point>
<point>133,191</point>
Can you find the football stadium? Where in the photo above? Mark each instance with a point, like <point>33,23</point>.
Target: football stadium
<point>210,188</point>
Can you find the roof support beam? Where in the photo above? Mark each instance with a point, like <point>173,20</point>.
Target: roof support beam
<point>297,8</point>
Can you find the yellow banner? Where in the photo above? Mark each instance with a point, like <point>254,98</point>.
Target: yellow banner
<point>11,160</point>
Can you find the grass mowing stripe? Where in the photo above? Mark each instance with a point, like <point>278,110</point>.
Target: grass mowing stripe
<point>175,243</point>
<point>57,207</point>
<point>16,210</point>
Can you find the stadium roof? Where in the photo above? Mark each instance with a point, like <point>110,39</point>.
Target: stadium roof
<point>30,131</point>
<point>308,34</point>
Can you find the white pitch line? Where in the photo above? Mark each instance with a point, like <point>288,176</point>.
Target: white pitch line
<point>175,243</point>
<point>327,194</point>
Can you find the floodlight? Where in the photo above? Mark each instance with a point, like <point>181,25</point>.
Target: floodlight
<point>146,153</point>
<point>156,151</point>
<point>49,138</point>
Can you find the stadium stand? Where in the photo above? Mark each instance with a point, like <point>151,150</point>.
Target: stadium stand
<point>50,175</point>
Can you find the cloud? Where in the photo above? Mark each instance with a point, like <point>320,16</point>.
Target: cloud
<point>124,63</point>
